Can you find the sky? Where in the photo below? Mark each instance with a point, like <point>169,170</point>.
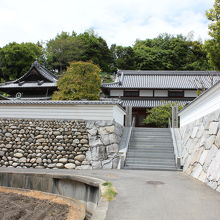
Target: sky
<point>117,21</point>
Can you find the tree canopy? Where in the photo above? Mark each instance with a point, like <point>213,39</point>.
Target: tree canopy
<point>16,59</point>
<point>167,52</point>
<point>87,46</point>
<point>80,81</point>
<point>213,45</point>
<point>63,49</point>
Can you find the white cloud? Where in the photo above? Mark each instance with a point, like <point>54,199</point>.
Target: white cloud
<point>117,21</point>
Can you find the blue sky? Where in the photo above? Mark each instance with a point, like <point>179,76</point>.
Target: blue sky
<point>117,21</point>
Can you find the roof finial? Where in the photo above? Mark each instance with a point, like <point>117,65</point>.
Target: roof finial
<point>35,63</point>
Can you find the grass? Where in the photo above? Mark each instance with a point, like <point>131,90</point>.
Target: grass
<point>109,191</point>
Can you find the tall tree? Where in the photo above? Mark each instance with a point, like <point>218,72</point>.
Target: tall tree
<point>16,59</point>
<point>167,52</point>
<point>63,49</point>
<point>124,57</point>
<point>96,50</point>
<point>87,46</point>
<point>213,45</point>
<point>80,81</point>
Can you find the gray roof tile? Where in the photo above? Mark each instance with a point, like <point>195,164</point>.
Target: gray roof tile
<point>149,103</point>
<point>50,102</point>
<point>164,79</point>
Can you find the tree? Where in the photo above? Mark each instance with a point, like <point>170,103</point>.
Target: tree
<point>80,81</point>
<point>96,50</point>
<point>167,52</point>
<point>87,46</point>
<point>124,57</point>
<point>62,50</point>
<point>16,59</point>
<point>159,116</point>
<point>213,45</point>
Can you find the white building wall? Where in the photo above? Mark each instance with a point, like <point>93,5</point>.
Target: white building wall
<point>118,115</point>
<point>190,93</point>
<point>72,112</point>
<point>204,105</point>
<point>116,92</point>
<point>161,93</point>
<point>146,93</point>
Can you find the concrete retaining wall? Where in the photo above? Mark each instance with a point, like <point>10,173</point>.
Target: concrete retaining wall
<point>84,189</point>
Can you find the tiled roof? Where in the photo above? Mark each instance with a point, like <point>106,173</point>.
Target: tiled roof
<point>149,103</point>
<point>41,70</point>
<point>164,79</point>
<point>75,102</point>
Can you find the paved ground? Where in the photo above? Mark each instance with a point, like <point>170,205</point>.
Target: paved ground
<point>157,195</point>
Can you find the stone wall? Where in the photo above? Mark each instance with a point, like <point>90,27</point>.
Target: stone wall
<point>201,149</point>
<point>54,144</point>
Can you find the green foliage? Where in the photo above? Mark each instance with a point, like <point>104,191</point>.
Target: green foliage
<point>124,57</point>
<point>106,77</point>
<point>109,191</point>
<point>80,81</point>
<point>72,47</point>
<point>62,50</point>
<point>96,50</point>
<point>16,59</point>
<point>159,116</point>
<point>213,45</point>
<point>167,52</point>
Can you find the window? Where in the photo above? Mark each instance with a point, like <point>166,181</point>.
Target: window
<point>131,93</point>
<point>176,93</point>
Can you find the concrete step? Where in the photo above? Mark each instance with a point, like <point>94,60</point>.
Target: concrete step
<point>152,140</point>
<point>149,167</point>
<point>152,154</point>
<point>150,160</point>
<point>151,134</point>
<point>151,148</point>
<point>149,153</point>
<point>150,145</point>
<point>155,144</point>
<point>152,129</point>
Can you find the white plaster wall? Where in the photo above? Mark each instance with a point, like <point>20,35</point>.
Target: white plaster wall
<point>161,93</point>
<point>146,92</point>
<point>116,92</point>
<point>203,105</point>
<point>190,93</point>
<point>118,115</point>
<point>74,112</point>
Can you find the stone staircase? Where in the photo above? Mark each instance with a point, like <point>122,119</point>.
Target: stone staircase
<point>150,148</point>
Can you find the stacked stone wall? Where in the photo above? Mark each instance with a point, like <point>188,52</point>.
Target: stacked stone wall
<point>71,144</point>
<point>201,149</point>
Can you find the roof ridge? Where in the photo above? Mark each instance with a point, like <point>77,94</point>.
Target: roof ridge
<point>45,73</point>
<point>167,72</point>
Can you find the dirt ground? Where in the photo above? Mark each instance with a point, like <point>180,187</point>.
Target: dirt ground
<point>33,205</point>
